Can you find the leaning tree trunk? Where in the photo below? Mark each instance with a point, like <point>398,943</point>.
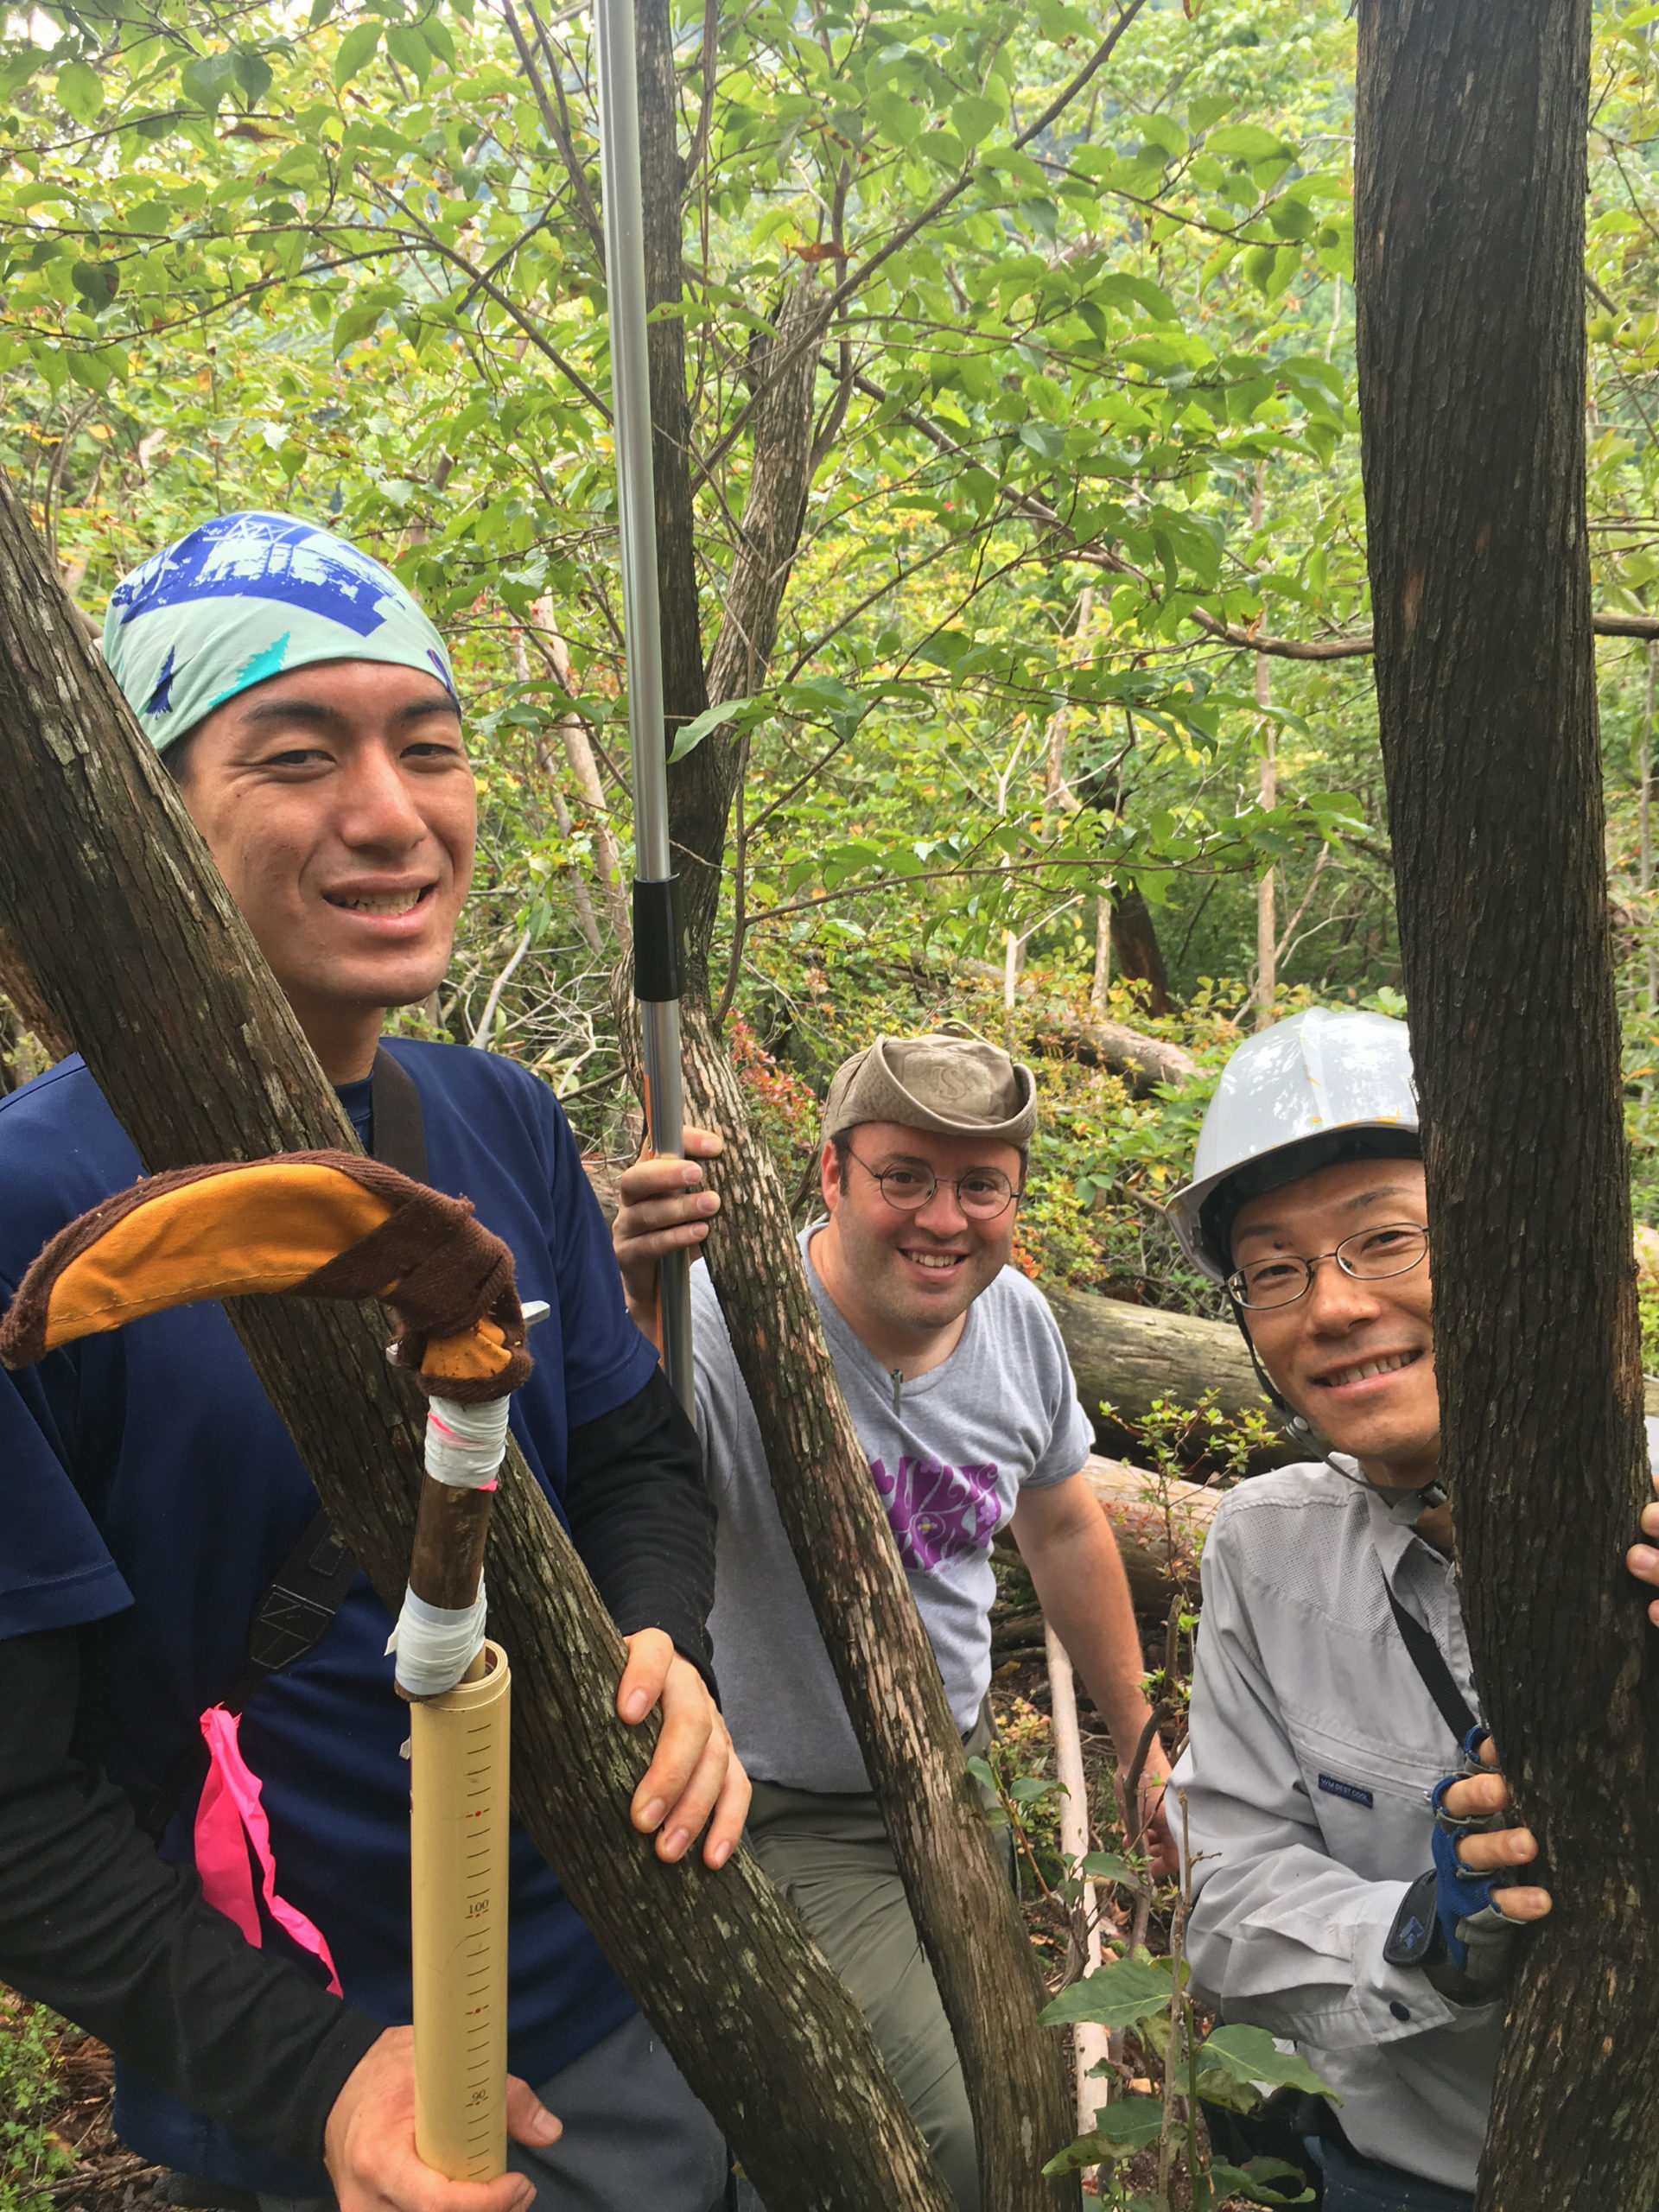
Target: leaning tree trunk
<point>109,897</point>
<point>1470,229</point>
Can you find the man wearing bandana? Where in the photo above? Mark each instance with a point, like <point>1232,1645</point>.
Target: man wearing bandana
<point>154,1505</point>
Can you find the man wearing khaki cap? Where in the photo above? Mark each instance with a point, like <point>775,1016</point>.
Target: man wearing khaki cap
<point>958,1385</point>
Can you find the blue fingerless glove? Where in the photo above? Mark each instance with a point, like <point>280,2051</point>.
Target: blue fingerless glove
<point>1463,1897</point>
<point>1448,1923</point>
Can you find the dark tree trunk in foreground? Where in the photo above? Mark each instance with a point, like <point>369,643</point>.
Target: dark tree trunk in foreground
<point>1469,235</point>
<point>109,896</point>
<point>970,1929</point>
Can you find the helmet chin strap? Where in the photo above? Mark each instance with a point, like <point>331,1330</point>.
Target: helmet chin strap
<point>1296,1426</point>
<point>1407,1506</point>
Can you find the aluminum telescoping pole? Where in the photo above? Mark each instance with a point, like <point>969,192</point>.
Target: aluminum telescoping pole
<point>656,887</point>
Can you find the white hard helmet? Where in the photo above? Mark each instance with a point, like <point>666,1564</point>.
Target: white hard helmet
<point>1317,1088</point>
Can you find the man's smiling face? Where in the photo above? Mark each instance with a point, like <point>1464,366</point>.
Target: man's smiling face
<point>1357,1358</point>
<point>339,804</point>
<point>917,1272</point>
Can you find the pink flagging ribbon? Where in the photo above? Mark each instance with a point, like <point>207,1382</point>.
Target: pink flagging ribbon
<point>229,1818</point>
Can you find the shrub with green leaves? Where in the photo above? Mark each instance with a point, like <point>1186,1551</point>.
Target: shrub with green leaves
<point>30,2155</point>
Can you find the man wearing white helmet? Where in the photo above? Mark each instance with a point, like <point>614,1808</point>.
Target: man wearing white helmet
<point>1332,1690</point>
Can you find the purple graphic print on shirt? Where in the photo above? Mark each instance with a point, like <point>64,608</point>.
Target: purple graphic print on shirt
<point>937,1512</point>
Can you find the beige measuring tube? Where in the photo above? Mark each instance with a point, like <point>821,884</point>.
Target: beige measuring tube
<point>459,1750</point>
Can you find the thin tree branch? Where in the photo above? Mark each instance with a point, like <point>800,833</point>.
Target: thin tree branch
<point>558,125</point>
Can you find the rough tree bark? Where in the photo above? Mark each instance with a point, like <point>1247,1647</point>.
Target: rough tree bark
<point>110,899</point>
<point>1135,946</point>
<point>1472,117</point>
<point>700,787</point>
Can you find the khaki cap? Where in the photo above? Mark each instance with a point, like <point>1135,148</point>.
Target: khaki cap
<point>952,1083</point>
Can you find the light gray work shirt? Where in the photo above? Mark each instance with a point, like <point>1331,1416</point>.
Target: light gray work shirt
<point>949,1454</point>
<point>1313,1740</point>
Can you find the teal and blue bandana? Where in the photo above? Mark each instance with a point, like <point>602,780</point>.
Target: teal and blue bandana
<point>249,596</point>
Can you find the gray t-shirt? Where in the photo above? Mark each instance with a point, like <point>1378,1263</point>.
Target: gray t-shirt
<point>949,1459</point>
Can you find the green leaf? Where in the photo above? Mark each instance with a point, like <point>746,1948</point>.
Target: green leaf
<point>1120,2130</point>
<point>1117,290</point>
<point>1116,1996</point>
<point>356,323</point>
<point>975,118</point>
<point>1249,141</point>
<point>98,283</point>
<point>204,80</point>
<point>252,73</point>
<point>1106,1865</point>
<point>980,1768</point>
<point>15,73</point>
<point>1208,108</point>
<point>1250,2055</point>
<point>1255,2181</point>
<point>320,11</point>
<point>90,370</point>
<point>409,51</point>
<point>357,49</point>
<point>942,146</point>
<point>690,735</point>
<point>1030,1789</point>
<point>80,91</point>
<point>894,116</point>
<point>1269,269</point>
<point>1162,131</point>
<point>1292,219</point>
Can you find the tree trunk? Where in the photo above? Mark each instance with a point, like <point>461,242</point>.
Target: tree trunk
<point>1471,129</point>
<point>769,529</point>
<point>130,939</point>
<point>1136,948</point>
<point>985,1967</point>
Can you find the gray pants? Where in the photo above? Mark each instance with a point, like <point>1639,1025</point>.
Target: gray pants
<point>634,2137</point>
<point>832,1858</point>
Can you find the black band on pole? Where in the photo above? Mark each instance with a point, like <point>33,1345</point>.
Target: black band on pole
<point>659,931</point>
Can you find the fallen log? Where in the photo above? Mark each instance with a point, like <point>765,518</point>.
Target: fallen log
<point>1160,1535</point>
<point>1129,1356</point>
<point>1142,1062</point>
<point>1159,1531</point>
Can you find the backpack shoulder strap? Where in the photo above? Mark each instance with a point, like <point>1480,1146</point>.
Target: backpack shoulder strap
<point>1427,1658</point>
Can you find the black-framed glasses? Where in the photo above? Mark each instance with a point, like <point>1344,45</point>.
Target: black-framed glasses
<point>1369,1255</point>
<point>983,1193</point>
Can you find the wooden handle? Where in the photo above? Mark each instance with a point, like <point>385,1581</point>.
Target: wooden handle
<point>451,1528</point>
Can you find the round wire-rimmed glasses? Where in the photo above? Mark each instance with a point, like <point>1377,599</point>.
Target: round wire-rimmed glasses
<point>1369,1255</point>
<point>983,1193</point>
